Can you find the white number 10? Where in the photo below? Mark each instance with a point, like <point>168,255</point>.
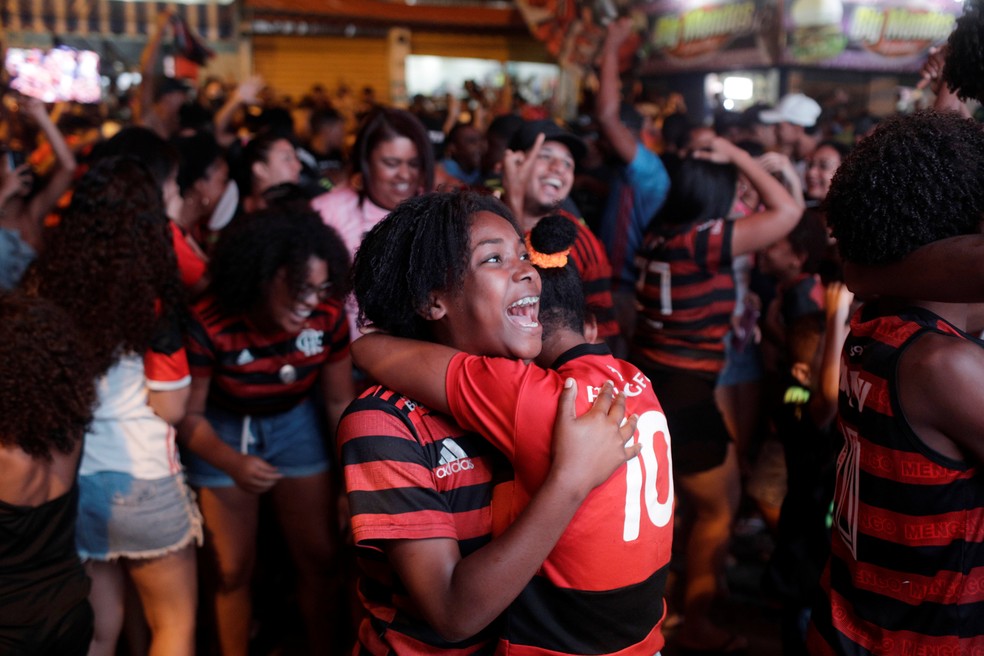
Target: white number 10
<point>654,436</point>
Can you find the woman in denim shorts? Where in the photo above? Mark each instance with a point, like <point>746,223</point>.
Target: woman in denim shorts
<point>270,331</point>
<point>110,264</point>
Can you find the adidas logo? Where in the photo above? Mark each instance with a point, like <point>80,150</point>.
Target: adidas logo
<point>453,459</point>
<point>245,357</point>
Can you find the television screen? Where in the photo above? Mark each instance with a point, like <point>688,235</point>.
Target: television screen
<point>54,75</point>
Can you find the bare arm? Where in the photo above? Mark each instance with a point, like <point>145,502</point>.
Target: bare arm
<point>823,405</point>
<point>245,93</point>
<point>950,270</point>
<point>336,383</point>
<point>196,433</point>
<point>64,172</point>
<point>781,213</point>
<point>148,60</point>
<point>780,165</point>
<point>461,596</point>
<point>406,364</point>
<point>169,405</point>
<point>620,137</point>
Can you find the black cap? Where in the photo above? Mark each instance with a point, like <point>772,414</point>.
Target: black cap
<point>525,137</point>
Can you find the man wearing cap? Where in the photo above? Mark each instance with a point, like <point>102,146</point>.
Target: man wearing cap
<point>538,173</point>
<point>794,114</point>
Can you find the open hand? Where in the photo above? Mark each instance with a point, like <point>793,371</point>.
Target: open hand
<point>590,448</point>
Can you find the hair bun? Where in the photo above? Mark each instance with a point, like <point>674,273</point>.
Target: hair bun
<point>553,234</point>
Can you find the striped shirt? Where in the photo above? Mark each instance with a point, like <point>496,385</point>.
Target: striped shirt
<point>686,295</point>
<point>412,474</point>
<point>906,573</point>
<point>247,367</point>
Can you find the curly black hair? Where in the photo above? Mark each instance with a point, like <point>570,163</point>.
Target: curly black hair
<point>110,263</point>
<point>963,71</point>
<point>915,180</point>
<point>45,405</point>
<point>251,252</point>
<point>562,302</point>
<point>421,247</point>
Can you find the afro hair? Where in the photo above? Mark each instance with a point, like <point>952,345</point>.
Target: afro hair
<point>915,180</point>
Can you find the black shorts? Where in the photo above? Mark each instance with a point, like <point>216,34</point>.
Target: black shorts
<point>698,436</point>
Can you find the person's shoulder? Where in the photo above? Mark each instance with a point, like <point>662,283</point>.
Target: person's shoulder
<point>945,362</point>
<point>339,197</point>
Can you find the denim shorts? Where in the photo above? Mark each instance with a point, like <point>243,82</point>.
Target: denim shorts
<point>125,517</point>
<point>744,366</point>
<point>291,441</point>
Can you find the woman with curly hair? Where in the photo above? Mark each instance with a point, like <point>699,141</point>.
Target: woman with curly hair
<point>270,331</point>
<point>394,161</point>
<point>110,265</point>
<point>43,587</point>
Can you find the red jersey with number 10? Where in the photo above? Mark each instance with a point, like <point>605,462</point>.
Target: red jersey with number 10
<point>601,589</point>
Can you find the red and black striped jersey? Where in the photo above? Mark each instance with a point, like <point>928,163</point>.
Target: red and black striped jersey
<point>906,572</point>
<point>412,474</point>
<point>247,367</point>
<point>591,261</point>
<point>600,591</point>
<point>686,294</point>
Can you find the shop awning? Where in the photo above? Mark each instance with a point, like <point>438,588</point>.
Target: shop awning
<point>215,21</point>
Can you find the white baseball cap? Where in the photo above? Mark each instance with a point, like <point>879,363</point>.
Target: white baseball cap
<point>793,108</point>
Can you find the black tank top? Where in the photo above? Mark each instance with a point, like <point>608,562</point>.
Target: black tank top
<point>41,575</point>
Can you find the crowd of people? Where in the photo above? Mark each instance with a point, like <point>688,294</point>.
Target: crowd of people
<point>399,379</point>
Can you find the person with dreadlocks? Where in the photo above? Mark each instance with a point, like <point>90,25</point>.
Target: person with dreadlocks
<point>606,560</point>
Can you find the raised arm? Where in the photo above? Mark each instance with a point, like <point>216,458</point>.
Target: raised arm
<point>756,231</point>
<point>408,365</point>
<point>950,270</point>
<point>620,137</point>
<point>64,171</point>
<point>148,63</point>
<point>458,596</point>
<point>517,166</point>
<point>244,94</point>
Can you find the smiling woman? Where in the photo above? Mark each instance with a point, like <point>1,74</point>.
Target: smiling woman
<point>393,160</point>
<point>453,270</point>
<point>270,331</point>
